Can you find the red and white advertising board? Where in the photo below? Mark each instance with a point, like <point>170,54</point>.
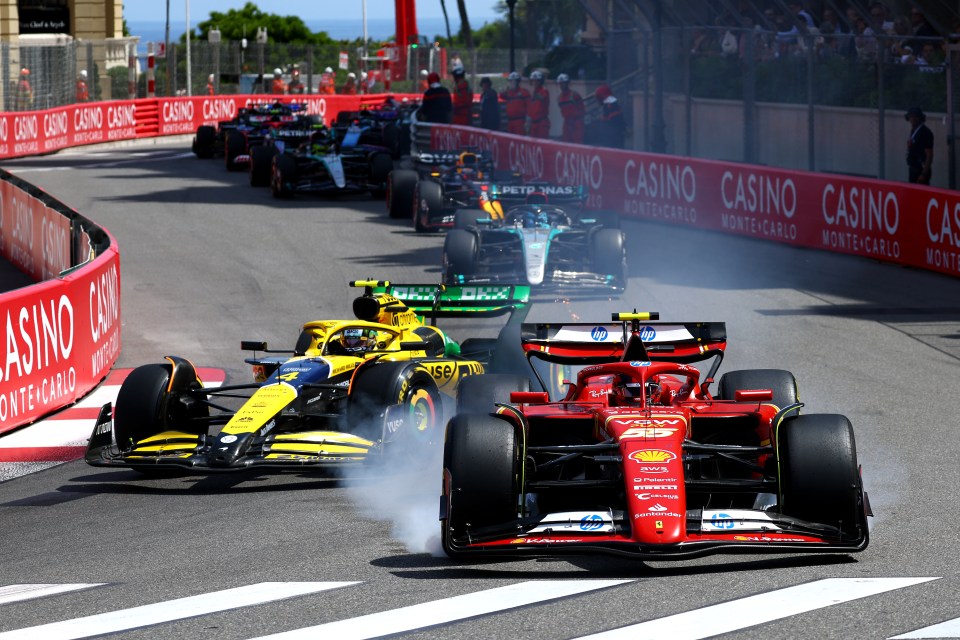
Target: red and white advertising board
<point>888,221</point>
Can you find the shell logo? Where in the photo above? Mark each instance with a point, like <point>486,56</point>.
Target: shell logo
<point>652,455</point>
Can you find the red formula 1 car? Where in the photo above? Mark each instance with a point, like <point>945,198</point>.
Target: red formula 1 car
<point>639,458</point>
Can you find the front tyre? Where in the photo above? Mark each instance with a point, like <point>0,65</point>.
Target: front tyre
<point>608,255</point>
<point>396,402</point>
<point>401,190</point>
<point>482,464</point>
<point>818,473</point>
<point>282,176</point>
<point>428,204</point>
<point>459,254</point>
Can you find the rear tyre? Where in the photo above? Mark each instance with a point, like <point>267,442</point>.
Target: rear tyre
<point>479,394</point>
<point>401,190</point>
<point>283,176</point>
<point>783,384</point>
<point>381,164</point>
<point>606,219</point>
<point>819,476</point>
<point>205,142</point>
<point>607,254</point>
<point>459,254</point>
<point>261,161</point>
<point>482,462</point>
<point>236,146</point>
<point>428,204</point>
<point>466,218</point>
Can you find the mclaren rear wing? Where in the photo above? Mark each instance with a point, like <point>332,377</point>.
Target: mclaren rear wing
<point>456,301</point>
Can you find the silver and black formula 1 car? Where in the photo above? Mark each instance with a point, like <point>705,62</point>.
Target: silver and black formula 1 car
<point>542,245</point>
<point>349,392</point>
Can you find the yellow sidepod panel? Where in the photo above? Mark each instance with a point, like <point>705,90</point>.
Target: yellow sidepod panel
<point>261,407</point>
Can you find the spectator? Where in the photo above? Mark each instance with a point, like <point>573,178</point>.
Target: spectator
<point>424,85</point>
<point>827,45</point>
<point>436,105</point>
<point>211,87</point>
<point>296,86</point>
<point>278,86</point>
<point>900,48</point>
<point>611,128</point>
<point>704,42</point>
<point>796,8</point>
<point>880,19</point>
<point>489,105</point>
<point>83,93</point>
<point>572,110</point>
<point>919,147</point>
<point>930,58</point>
<point>538,108</point>
<point>922,30</point>
<point>462,98</point>
<point>24,91</point>
<point>327,86</point>
<point>516,98</point>
<point>350,85</point>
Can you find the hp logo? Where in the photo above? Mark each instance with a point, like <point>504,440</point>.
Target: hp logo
<point>648,333</point>
<point>599,334</point>
<point>591,522</point>
<point>722,521</point>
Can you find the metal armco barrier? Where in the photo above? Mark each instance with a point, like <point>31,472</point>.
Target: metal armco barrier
<point>894,222</point>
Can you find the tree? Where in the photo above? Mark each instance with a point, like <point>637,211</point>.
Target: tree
<point>465,31</point>
<point>240,23</point>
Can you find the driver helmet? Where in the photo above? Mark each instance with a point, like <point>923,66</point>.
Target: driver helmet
<point>514,77</point>
<point>563,78</point>
<point>357,340</point>
<point>536,76</point>
<point>535,219</point>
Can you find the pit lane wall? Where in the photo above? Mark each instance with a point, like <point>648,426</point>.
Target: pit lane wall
<point>61,335</point>
<point>893,222</point>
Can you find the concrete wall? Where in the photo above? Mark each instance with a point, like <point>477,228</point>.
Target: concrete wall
<point>846,141</point>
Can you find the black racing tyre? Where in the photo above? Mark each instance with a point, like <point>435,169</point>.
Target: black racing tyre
<point>482,463</point>
<point>283,174</point>
<point>205,142</point>
<point>391,139</point>
<point>236,145</point>
<point>479,394</point>
<point>607,255</point>
<point>466,218</point>
<point>606,219</point>
<point>138,413</point>
<point>261,162</point>
<point>459,253</point>
<point>401,190</point>
<point>818,473</point>
<point>377,386</point>
<point>782,383</point>
<point>381,164</point>
<point>427,203</point>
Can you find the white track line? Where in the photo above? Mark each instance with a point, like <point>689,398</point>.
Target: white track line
<point>947,629</point>
<point>151,614</point>
<point>20,592</point>
<point>753,610</point>
<point>448,610</point>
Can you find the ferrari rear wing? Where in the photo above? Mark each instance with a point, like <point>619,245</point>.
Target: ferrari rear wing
<point>587,343</point>
<point>455,301</point>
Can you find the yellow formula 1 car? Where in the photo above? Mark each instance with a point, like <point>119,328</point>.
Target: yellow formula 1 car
<point>348,392</point>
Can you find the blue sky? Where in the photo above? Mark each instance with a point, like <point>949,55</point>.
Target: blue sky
<point>308,10</point>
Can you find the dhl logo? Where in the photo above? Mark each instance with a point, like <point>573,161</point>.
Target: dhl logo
<point>652,455</point>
